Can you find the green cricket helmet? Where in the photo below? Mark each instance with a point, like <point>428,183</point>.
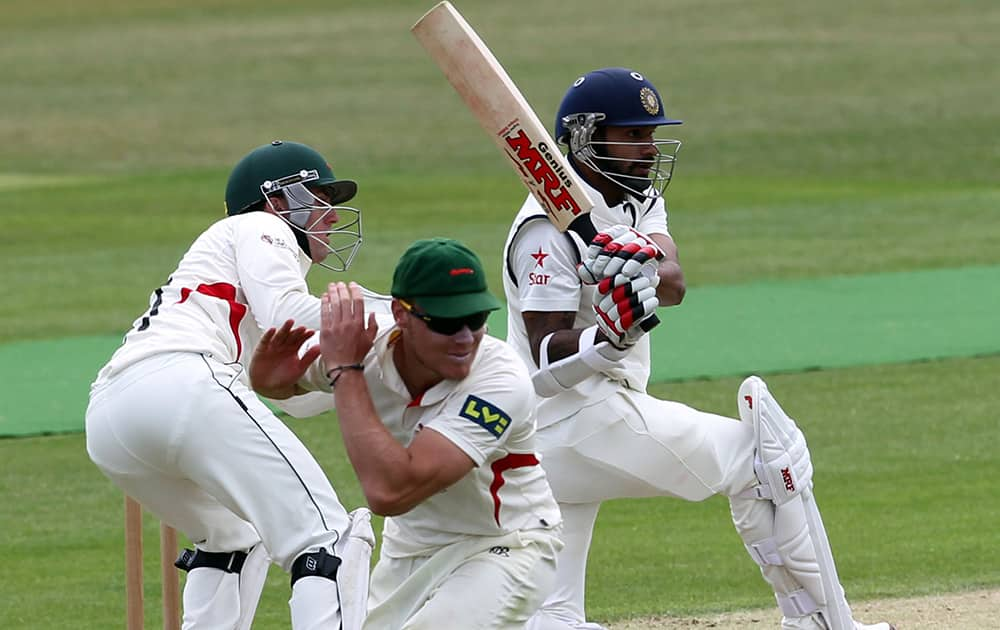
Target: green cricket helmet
<point>297,173</point>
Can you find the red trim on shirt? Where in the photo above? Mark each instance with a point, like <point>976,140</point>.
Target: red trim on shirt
<point>416,401</point>
<point>513,460</point>
<point>226,292</point>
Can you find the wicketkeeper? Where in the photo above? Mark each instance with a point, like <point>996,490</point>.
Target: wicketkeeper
<point>172,420</point>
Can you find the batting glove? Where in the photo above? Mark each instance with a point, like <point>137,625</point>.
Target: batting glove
<point>624,308</point>
<point>619,250</point>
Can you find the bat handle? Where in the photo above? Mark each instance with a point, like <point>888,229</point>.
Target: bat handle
<point>649,323</point>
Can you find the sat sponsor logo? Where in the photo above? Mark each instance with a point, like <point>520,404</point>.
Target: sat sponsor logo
<point>538,278</point>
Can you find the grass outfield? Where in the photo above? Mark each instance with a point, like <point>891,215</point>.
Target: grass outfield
<point>820,139</point>
<point>902,493</point>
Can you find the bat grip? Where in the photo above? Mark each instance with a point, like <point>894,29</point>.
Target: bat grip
<point>584,227</point>
<point>649,323</point>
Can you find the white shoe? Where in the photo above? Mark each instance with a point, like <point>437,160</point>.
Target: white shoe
<point>815,622</point>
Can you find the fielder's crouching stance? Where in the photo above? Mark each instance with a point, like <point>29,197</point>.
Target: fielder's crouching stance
<point>579,307</point>
<point>173,422</point>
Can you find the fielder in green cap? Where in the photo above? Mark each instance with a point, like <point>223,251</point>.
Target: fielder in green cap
<point>444,278</point>
<point>438,420</point>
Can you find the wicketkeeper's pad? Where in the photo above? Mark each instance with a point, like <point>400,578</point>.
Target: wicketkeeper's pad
<point>355,552</point>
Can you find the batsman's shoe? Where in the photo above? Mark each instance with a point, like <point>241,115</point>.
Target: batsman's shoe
<point>815,622</point>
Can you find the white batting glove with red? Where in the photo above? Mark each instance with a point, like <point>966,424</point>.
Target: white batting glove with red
<point>624,308</point>
<point>619,250</point>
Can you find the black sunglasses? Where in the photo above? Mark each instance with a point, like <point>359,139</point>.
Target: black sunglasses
<point>448,325</point>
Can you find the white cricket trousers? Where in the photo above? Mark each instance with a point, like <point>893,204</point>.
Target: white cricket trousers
<point>630,444</point>
<point>644,447</point>
<point>485,583</point>
<point>183,435</point>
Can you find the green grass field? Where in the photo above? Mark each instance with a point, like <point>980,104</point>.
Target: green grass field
<point>820,139</point>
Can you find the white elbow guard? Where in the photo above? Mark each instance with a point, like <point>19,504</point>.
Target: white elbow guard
<point>553,378</point>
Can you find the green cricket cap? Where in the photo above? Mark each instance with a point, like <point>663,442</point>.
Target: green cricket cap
<point>444,278</point>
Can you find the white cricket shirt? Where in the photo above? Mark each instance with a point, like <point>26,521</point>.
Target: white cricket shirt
<point>242,275</point>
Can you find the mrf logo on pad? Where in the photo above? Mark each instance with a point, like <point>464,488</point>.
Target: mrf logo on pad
<point>486,415</point>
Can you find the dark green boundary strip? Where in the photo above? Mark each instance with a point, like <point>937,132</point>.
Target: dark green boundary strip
<point>719,331</point>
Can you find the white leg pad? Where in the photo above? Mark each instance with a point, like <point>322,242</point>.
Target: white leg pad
<point>315,604</point>
<point>252,578</point>
<point>782,460</point>
<point>210,599</point>
<point>355,551</point>
<point>797,603</point>
<point>787,538</point>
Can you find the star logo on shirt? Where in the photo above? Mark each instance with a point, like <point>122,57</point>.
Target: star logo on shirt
<point>540,257</point>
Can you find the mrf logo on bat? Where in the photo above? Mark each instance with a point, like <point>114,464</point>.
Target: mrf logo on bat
<point>541,170</point>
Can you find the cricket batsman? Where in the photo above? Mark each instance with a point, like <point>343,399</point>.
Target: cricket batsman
<point>576,311</point>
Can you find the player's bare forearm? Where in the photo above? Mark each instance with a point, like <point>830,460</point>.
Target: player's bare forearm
<point>671,290</point>
<point>375,454</point>
<point>390,477</point>
<point>672,287</point>
<point>565,339</point>
<point>393,477</point>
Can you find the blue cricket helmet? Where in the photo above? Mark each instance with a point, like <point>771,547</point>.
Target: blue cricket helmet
<point>624,97</point>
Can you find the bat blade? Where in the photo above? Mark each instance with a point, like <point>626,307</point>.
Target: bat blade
<point>503,113</point>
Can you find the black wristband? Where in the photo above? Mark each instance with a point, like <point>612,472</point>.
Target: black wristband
<point>340,370</point>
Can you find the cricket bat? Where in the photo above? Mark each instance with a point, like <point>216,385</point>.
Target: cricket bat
<point>506,116</point>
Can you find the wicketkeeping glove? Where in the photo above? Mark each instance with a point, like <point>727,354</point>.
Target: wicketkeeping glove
<point>625,308</point>
<point>619,249</point>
